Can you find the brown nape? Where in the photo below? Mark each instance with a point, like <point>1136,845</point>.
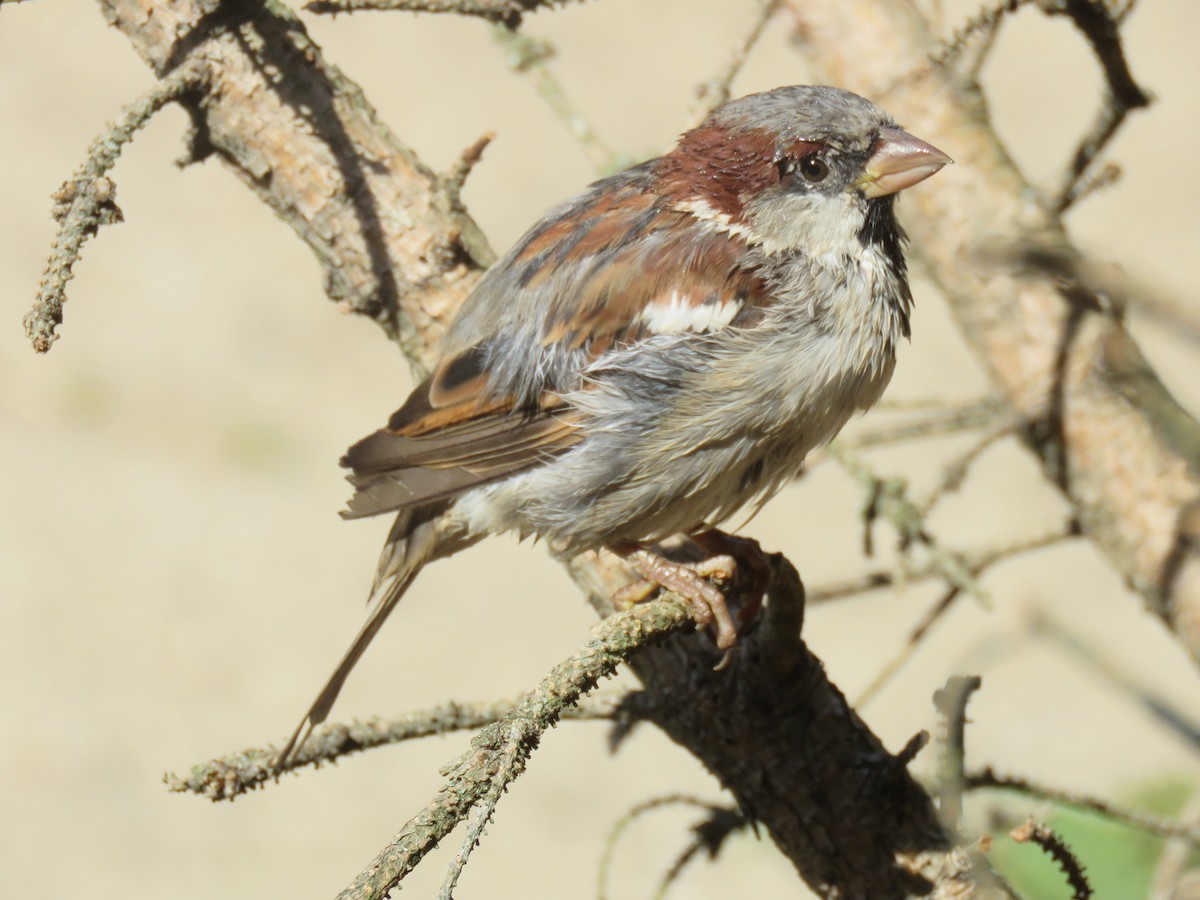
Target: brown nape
<point>722,168</point>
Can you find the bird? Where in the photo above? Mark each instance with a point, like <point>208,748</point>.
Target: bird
<point>655,354</point>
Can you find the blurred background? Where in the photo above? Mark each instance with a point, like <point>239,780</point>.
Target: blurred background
<point>175,583</point>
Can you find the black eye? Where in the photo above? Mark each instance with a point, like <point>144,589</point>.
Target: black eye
<point>814,169</point>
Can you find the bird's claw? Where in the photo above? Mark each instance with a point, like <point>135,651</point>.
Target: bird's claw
<point>689,581</point>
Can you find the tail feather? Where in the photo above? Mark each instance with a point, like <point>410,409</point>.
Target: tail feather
<point>412,542</point>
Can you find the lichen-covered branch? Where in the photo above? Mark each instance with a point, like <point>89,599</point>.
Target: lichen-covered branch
<point>1102,425</point>
<point>498,753</point>
<point>87,200</point>
<point>228,777</point>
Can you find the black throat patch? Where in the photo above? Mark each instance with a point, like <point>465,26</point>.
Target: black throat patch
<point>881,231</point>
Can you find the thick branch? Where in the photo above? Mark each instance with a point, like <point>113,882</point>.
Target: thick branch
<point>394,245</point>
<point>1101,423</point>
<point>784,741</point>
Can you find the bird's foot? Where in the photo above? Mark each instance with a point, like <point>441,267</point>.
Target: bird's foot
<point>754,568</point>
<point>690,581</point>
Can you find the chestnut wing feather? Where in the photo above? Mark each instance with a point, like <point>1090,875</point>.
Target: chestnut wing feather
<point>617,266</point>
<point>449,437</point>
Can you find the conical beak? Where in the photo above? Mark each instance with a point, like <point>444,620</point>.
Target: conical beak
<point>898,161</point>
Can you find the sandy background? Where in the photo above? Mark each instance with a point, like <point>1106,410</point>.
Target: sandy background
<point>175,584</point>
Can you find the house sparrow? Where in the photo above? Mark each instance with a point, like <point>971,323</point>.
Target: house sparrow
<point>656,353</point>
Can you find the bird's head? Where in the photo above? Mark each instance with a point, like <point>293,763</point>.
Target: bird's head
<point>802,168</point>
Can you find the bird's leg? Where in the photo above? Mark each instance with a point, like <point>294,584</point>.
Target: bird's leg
<point>689,580</point>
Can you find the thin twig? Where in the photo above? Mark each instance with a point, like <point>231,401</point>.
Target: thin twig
<point>622,824</point>
<point>986,779</point>
<point>889,498</point>
<point>947,420</point>
<point>1102,30</point>
<point>1090,184</point>
<point>228,777</point>
<point>88,200</point>
<point>482,814</point>
<point>1058,850</point>
<point>507,12</point>
<point>530,56</point>
<point>983,24</point>
<point>502,749</point>
<point>955,472</point>
<point>1177,852</point>
<point>951,703</point>
<point>716,90</point>
<point>976,562</point>
<point>977,567</point>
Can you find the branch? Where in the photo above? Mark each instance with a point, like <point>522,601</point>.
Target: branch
<point>87,200</point>
<point>498,753</point>
<point>1099,421</point>
<point>789,744</point>
<point>715,91</point>
<point>1101,28</point>
<point>1057,849</point>
<point>951,703</point>
<point>530,56</point>
<point>986,779</point>
<point>378,220</point>
<point>506,12</point>
<point>228,777</point>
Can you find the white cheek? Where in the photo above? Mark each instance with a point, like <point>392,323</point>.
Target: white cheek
<point>815,223</point>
